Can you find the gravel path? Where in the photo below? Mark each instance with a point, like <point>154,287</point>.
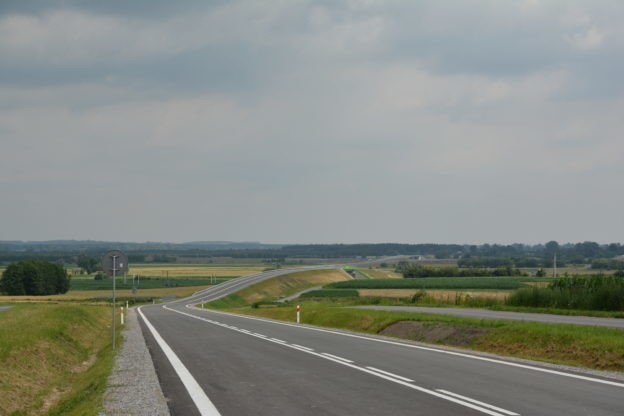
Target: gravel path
<point>133,387</point>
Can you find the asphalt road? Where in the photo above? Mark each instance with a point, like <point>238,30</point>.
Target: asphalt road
<point>5,308</point>
<point>513,316</point>
<point>212,363</point>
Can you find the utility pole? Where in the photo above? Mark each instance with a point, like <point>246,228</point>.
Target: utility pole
<point>555,266</point>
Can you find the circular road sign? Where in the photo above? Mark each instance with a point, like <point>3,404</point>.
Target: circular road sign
<point>115,259</point>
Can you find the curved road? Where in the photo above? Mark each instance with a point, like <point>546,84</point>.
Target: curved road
<point>212,363</point>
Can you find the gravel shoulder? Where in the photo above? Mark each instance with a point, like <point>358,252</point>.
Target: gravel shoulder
<point>133,387</point>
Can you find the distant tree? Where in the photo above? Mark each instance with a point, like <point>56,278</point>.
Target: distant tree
<point>34,277</point>
<point>87,263</point>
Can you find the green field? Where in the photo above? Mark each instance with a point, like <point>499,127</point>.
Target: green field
<point>54,359</point>
<point>145,283</point>
<point>331,293</point>
<point>496,283</point>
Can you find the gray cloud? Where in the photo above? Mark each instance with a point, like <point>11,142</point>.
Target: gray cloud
<point>311,122</point>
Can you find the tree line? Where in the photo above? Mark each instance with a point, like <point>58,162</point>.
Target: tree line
<point>413,270</point>
<point>34,277</point>
<point>484,255</point>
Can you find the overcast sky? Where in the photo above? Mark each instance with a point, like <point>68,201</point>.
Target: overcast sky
<point>329,121</point>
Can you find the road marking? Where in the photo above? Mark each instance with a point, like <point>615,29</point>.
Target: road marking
<point>199,397</point>
<point>369,371</point>
<point>278,340</point>
<point>302,347</point>
<point>391,374</point>
<point>419,347</point>
<point>468,399</point>
<point>258,335</point>
<point>336,357</point>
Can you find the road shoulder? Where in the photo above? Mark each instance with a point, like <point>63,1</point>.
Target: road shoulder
<point>133,387</point>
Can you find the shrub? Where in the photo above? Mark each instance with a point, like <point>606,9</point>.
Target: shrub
<point>331,293</point>
<point>597,292</point>
<point>34,277</point>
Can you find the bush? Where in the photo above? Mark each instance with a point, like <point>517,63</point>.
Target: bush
<point>99,276</point>
<point>34,277</point>
<point>418,271</point>
<point>589,293</point>
<point>331,293</point>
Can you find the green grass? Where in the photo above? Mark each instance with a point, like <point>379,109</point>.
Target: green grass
<point>280,286</point>
<point>592,347</point>
<point>496,283</point>
<point>54,359</point>
<point>331,293</point>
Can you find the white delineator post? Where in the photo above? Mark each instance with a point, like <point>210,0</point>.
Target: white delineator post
<point>122,315</point>
<point>298,314</point>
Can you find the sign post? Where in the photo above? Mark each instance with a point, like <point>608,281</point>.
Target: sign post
<point>112,262</point>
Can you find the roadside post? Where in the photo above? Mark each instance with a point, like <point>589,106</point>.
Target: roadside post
<point>112,262</point>
<point>122,315</point>
<point>298,314</point>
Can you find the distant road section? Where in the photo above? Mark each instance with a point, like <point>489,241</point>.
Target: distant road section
<point>512,316</point>
<point>4,308</point>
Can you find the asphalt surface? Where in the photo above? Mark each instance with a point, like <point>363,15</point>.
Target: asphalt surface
<point>5,308</point>
<point>513,316</point>
<point>235,365</point>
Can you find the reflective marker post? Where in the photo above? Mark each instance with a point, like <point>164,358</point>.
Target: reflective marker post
<point>298,314</point>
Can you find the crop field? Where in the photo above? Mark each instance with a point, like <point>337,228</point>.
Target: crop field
<point>145,283</point>
<point>381,273</point>
<point>331,293</point>
<point>498,283</point>
<point>195,270</point>
<point>81,295</point>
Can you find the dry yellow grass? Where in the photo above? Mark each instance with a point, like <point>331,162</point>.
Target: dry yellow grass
<point>436,294</point>
<point>194,270</point>
<point>179,292</point>
<point>290,284</point>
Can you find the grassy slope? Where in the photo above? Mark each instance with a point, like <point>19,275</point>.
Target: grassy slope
<point>592,347</point>
<point>281,286</point>
<point>54,359</point>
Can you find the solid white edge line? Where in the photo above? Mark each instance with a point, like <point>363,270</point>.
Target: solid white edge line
<point>419,347</point>
<point>391,374</point>
<point>336,357</point>
<point>469,399</point>
<point>199,397</point>
<point>365,370</point>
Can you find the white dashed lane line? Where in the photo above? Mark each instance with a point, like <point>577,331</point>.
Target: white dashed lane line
<point>465,401</point>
